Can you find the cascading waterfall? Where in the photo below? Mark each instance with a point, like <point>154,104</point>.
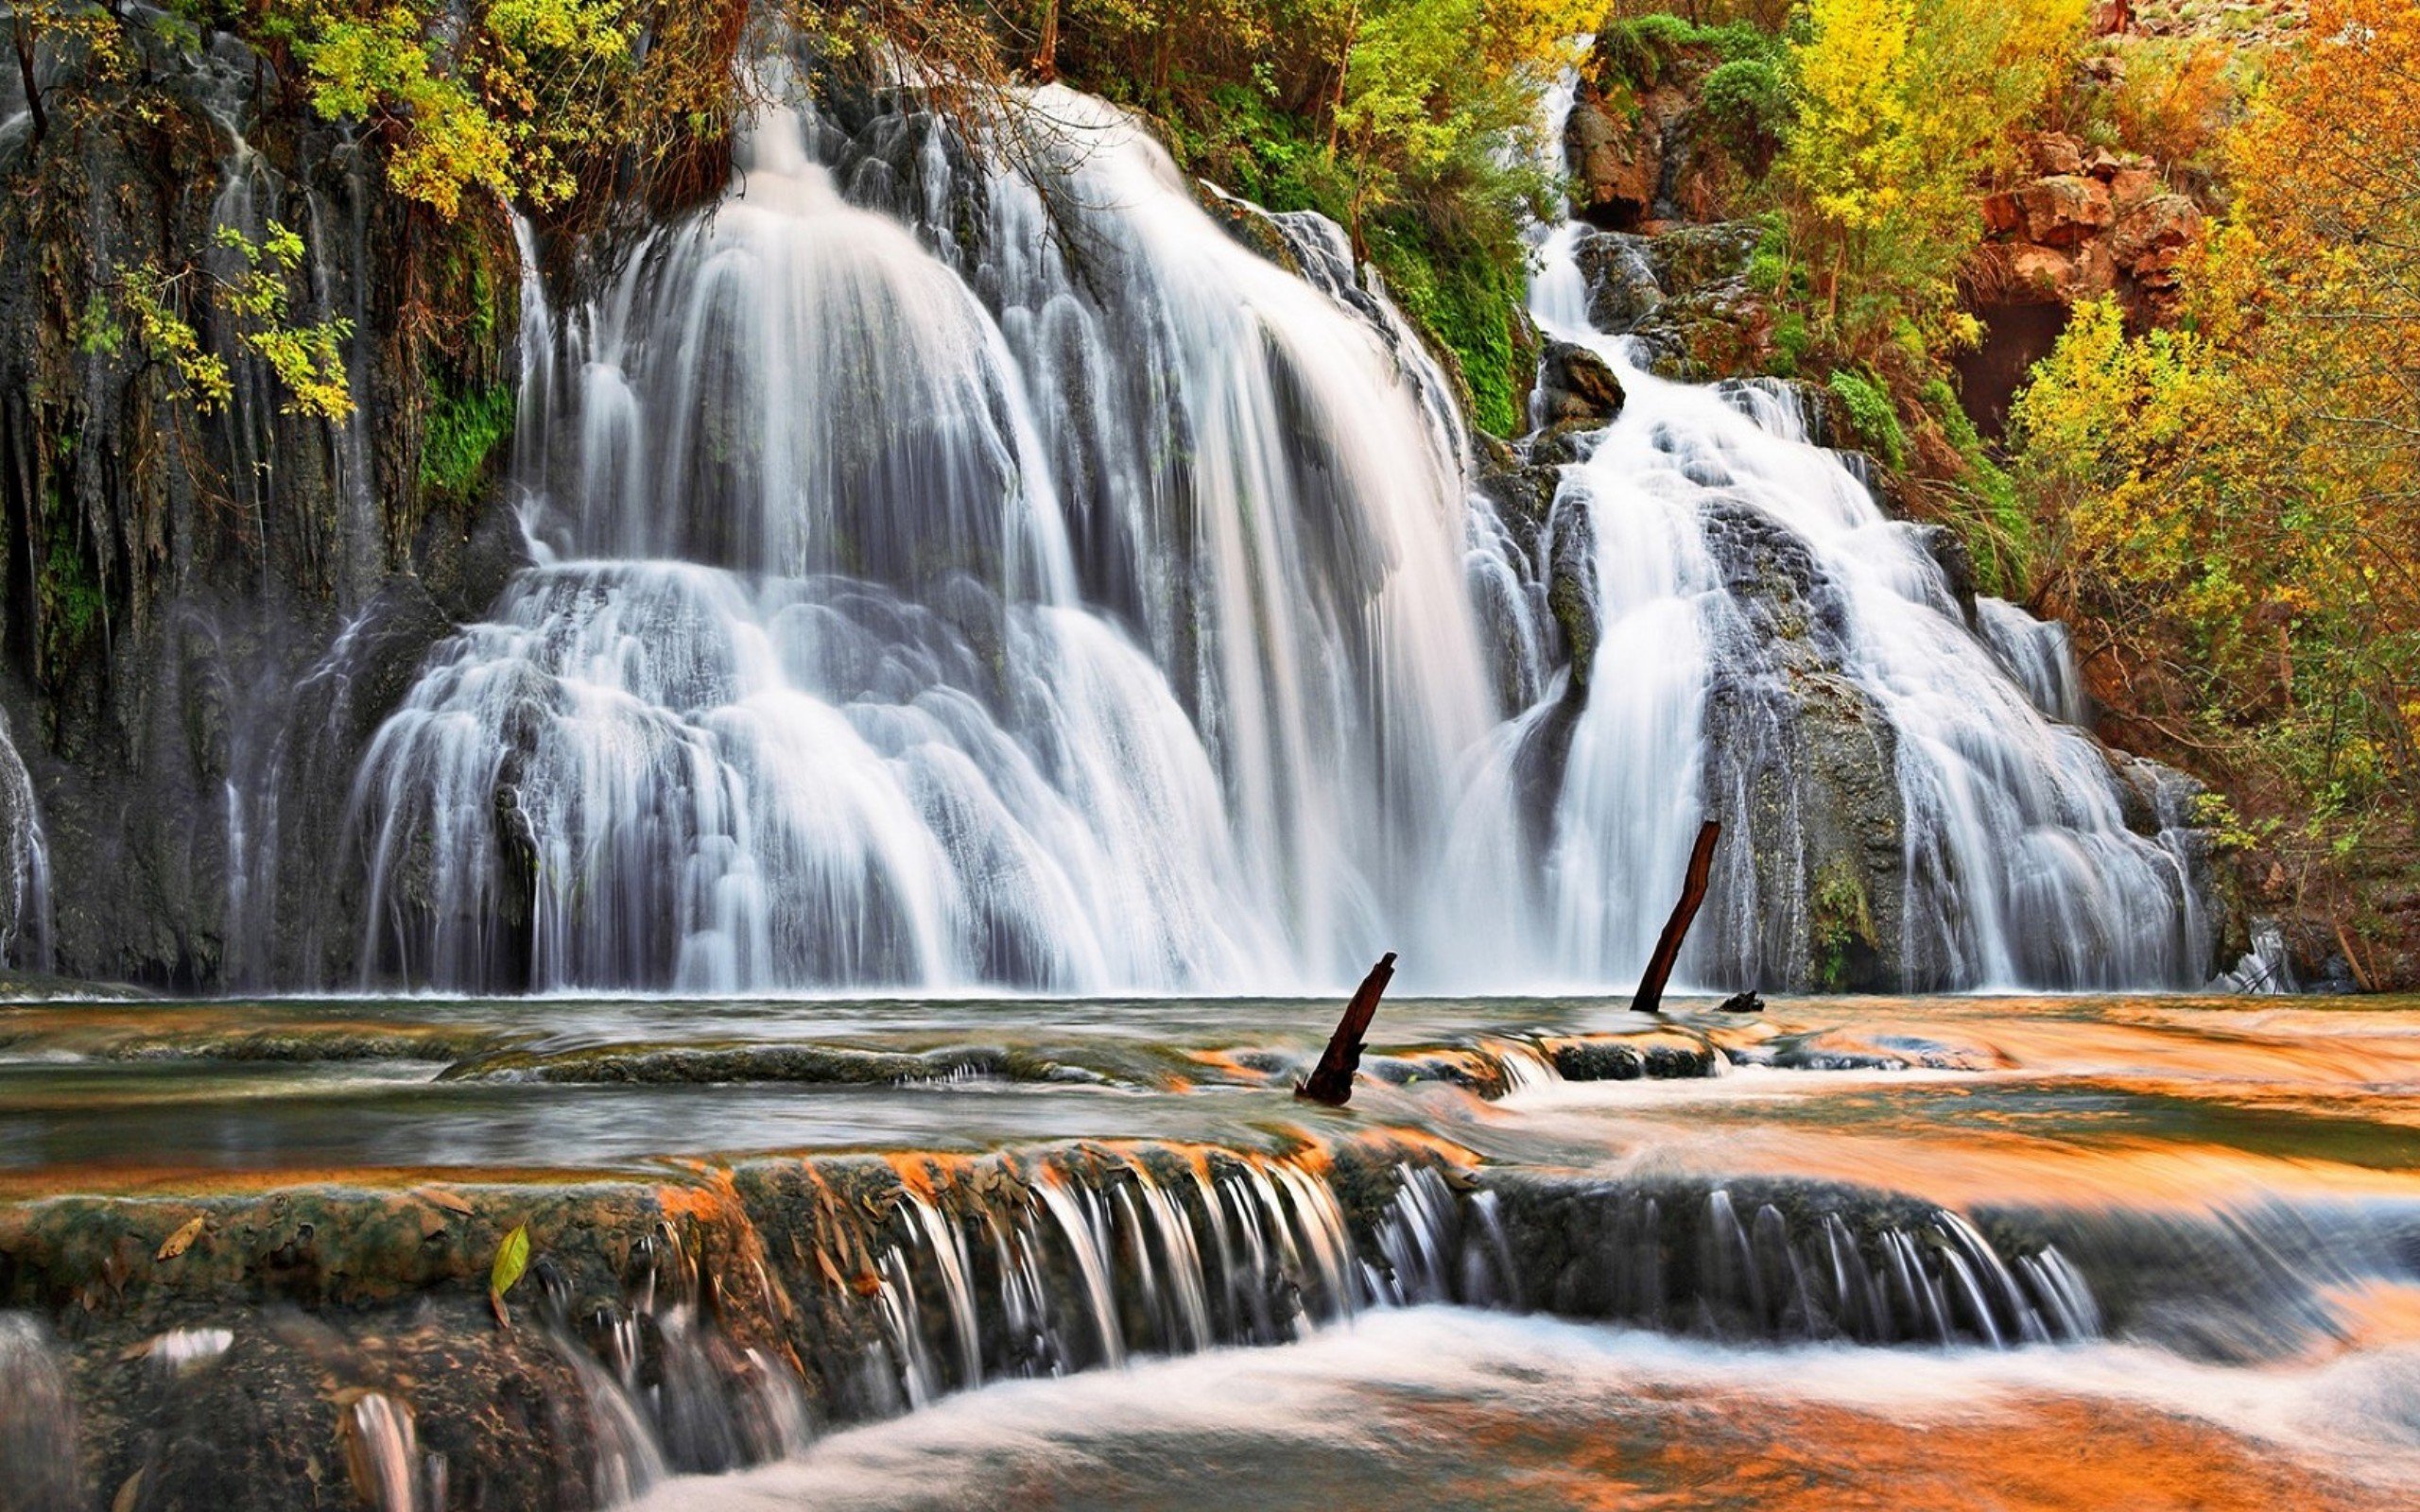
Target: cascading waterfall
<point>1116,639</point>
<point>962,562</point>
<point>24,864</point>
<point>2020,869</point>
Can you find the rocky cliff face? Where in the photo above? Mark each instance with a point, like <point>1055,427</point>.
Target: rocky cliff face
<point>208,605</point>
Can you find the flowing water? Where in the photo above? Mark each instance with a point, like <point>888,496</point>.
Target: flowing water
<point>2061,1252</point>
<point>964,561</point>
<point>967,564</point>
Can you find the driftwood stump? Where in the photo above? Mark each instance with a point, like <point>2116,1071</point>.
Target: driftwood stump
<point>1668,946</point>
<point>1331,1080</point>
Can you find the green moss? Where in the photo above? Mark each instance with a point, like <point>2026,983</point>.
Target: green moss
<point>1467,303</point>
<point>71,600</point>
<point>1645,51</point>
<point>1870,413</point>
<point>1841,921</point>
<point>462,433</point>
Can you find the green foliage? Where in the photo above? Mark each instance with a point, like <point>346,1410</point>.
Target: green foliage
<point>1647,50</point>
<point>1899,107</point>
<point>2227,504</point>
<point>1983,505</point>
<point>1839,921</point>
<point>149,306</point>
<point>1749,102</point>
<point>1468,305</point>
<point>462,433</point>
<point>508,103</point>
<point>70,599</point>
<point>1867,406</point>
<point>307,359</point>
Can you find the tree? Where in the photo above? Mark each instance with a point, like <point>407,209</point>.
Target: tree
<point>2232,504</point>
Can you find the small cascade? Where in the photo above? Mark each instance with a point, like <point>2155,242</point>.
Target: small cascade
<point>1772,638</point>
<point>1134,1253</point>
<point>2040,655</point>
<point>382,1453</point>
<point>38,1463</point>
<point>1781,1261</point>
<point>24,864</point>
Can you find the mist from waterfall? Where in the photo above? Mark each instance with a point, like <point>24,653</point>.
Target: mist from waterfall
<point>969,563</point>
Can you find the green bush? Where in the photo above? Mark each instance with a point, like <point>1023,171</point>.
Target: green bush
<point>1871,415</point>
<point>1748,101</point>
<point>462,432</point>
<point>1986,513</point>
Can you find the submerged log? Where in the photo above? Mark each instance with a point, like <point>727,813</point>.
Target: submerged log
<point>1668,946</point>
<point>1331,1080</point>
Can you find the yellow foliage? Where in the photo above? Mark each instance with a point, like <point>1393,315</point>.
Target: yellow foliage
<point>2240,498</point>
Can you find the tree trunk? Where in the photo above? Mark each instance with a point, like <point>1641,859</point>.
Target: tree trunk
<point>1667,947</point>
<point>1331,1080</point>
<point>25,40</point>
<point>1046,57</point>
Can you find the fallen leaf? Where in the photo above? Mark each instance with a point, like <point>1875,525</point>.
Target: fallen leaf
<point>512,1259</point>
<point>182,1239</point>
<point>450,1201</point>
<point>128,1494</point>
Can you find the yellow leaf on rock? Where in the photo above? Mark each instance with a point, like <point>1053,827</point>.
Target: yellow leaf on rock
<point>512,1259</point>
<point>182,1239</point>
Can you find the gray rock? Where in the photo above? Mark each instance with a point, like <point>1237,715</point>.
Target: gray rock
<point>1574,384</point>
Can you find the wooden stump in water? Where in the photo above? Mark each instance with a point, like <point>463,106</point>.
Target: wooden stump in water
<point>1331,1080</point>
<point>1668,946</point>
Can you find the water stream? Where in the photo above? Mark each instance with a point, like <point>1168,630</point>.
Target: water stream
<point>1041,1235</point>
<point>964,561</point>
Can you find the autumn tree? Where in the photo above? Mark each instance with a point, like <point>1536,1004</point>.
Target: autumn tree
<point>1903,108</point>
<point>2232,504</point>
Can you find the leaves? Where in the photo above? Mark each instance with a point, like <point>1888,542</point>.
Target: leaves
<point>1900,106</point>
<point>2233,499</point>
<point>182,1239</point>
<point>512,1260</point>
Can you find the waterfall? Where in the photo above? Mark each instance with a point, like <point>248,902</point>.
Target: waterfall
<point>24,864</point>
<point>971,556</point>
<point>955,568</point>
<point>1754,602</point>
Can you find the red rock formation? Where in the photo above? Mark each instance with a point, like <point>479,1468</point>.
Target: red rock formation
<point>2085,227</point>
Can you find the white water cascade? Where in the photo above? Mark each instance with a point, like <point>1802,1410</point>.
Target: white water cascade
<point>2019,865</point>
<point>1029,585</point>
<point>981,567</point>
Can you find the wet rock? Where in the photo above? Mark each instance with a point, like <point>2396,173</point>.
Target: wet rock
<point>1574,384</point>
<point>232,549</point>
<point>1948,551</point>
<point>1623,286</point>
<point>1741,1003</point>
<point>1617,160</point>
<point>1249,224</point>
<point>1810,890</point>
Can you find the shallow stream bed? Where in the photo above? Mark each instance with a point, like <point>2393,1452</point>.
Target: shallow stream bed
<point>940,1253</point>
